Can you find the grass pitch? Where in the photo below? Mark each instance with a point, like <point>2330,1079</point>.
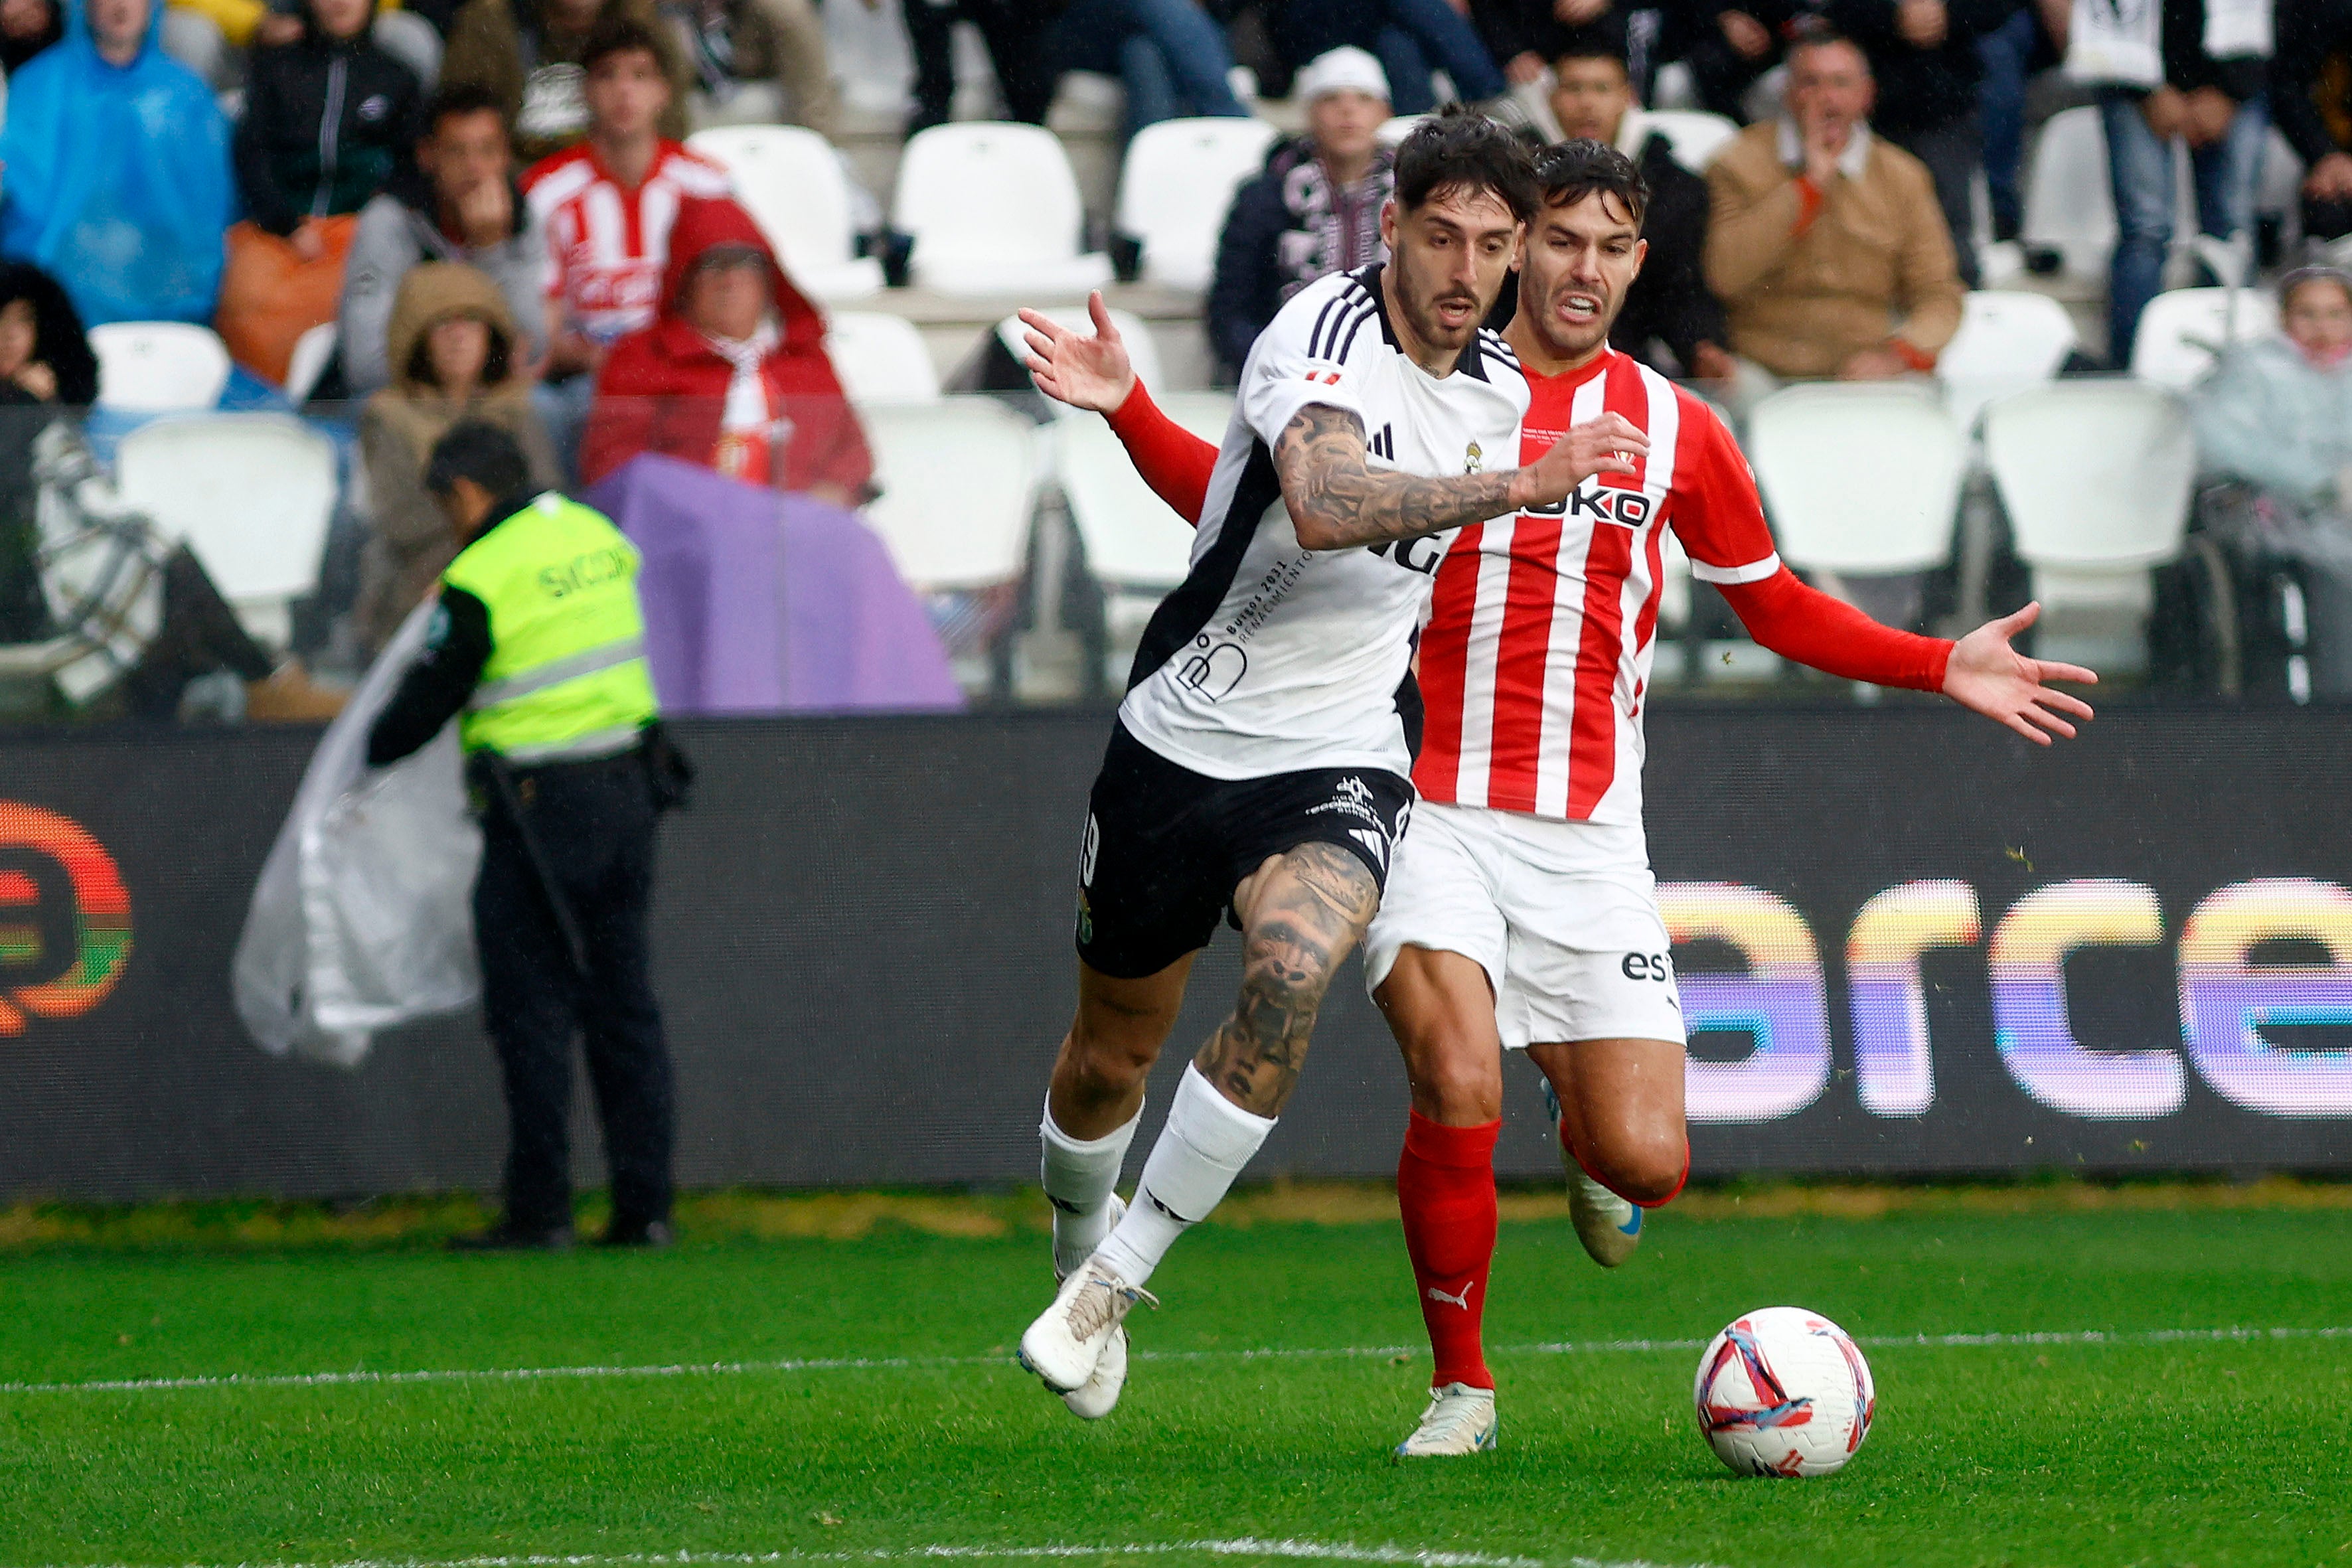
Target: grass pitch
<point>854,1400</point>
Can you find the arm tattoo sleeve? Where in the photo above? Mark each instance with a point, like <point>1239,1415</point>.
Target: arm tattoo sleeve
<point>1320,460</point>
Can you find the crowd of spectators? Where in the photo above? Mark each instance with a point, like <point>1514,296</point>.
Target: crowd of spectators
<point>509,226</point>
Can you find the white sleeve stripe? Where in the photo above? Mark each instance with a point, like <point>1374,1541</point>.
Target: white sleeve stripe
<point>1754,572</point>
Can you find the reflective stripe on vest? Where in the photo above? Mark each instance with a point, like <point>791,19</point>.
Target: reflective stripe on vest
<point>566,678</point>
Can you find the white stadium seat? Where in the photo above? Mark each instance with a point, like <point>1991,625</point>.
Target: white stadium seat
<point>1694,135</point>
<point>791,181</point>
<point>1178,181</point>
<point>251,494</point>
<point>2069,205</point>
<point>2096,478</point>
<point>2182,329</point>
<point>2007,342</point>
<point>1860,479</point>
<point>312,352</point>
<point>958,481</point>
<point>1142,348</point>
<point>993,209</point>
<point>880,358</point>
<point>158,367</point>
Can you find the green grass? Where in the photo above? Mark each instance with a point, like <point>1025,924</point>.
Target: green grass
<point>2081,1455</point>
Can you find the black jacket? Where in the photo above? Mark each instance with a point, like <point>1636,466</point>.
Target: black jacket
<point>2309,31</point>
<point>1669,302</point>
<point>1251,278</point>
<point>2188,67</point>
<point>1514,28</point>
<point>326,124</point>
<point>1920,89</point>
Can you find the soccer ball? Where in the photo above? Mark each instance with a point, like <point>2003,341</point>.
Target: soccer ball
<point>1784,1391</point>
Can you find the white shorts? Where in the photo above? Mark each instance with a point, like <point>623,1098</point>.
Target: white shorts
<point>1563,916</point>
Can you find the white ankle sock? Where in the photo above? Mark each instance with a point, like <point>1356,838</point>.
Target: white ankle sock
<point>1206,1142</point>
<point>1079,1175</point>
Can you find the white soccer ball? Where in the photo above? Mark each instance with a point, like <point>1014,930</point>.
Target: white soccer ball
<point>1784,1391</point>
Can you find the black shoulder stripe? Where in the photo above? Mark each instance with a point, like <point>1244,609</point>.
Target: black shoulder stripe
<point>1352,325</point>
<point>1315,338</point>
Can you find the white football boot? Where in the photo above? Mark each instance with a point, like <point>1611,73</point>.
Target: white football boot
<point>1070,1341</point>
<point>1609,1226</point>
<point>1099,1395</point>
<point>1460,1420</point>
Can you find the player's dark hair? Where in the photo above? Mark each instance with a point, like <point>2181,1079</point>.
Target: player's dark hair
<point>617,34</point>
<point>456,100</point>
<point>476,451</point>
<point>1459,150</point>
<point>1568,172</point>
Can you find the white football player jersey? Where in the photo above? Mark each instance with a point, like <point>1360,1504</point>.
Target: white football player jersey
<point>1273,658</point>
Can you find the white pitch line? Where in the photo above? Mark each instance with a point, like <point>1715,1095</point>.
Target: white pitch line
<point>1237,1546</point>
<point>905,1363</point>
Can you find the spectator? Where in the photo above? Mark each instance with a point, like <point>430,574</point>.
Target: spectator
<point>1825,243</point>
<point>2012,55</point>
<point>1015,32</point>
<point>1412,38</point>
<point>453,344</point>
<point>1725,50</point>
<point>328,118</point>
<point>2312,104</point>
<point>236,24</point>
<point>1171,58</point>
<point>26,27</point>
<point>532,56</point>
<point>117,166</point>
<point>45,364</point>
<point>756,62</point>
<point>2196,73</point>
<point>1923,54</point>
<point>460,203</point>
<point>734,374</point>
<point>2276,413</point>
<point>1315,209</point>
<point>1526,35</point>
<point>603,206</point>
<point>1668,304</point>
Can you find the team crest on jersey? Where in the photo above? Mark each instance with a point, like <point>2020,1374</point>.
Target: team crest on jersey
<point>1474,459</point>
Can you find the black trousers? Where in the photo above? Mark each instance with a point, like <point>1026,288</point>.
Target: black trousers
<point>593,824</point>
<point>1014,31</point>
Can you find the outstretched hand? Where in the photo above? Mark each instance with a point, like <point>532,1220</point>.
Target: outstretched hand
<point>1070,367</point>
<point>1989,677</point>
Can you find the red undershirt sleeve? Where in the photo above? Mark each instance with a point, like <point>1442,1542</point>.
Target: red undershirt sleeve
<point>1173,461</point>
<point>1830,634</point>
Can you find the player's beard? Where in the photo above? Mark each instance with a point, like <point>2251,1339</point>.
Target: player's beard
<point>1421,314</point>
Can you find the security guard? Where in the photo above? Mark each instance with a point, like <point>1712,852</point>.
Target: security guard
<point>539,643</point>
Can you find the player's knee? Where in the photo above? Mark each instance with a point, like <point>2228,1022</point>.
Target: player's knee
<point>1643,1166</point>
<point>1112,1057</point>
<point>1454,1086</point>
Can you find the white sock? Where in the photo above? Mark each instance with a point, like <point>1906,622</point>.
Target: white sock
<point>1079,1175</point>
<point>1206,1142</point>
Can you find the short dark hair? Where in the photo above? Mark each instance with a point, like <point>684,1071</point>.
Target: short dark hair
<point>1459,149</point>
<point>1584,46</point>
<point>477,450</point>
<point>616,33</point>
<point>1568,172</point>
<point>455,99</point>
<point>1812,32</point>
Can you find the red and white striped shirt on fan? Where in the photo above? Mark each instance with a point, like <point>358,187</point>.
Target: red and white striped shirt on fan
<point>607,245</point>
<point>1536,654</point>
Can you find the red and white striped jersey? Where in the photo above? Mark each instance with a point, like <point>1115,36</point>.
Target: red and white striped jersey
<point>607,245</point>
<point>1535,657</point>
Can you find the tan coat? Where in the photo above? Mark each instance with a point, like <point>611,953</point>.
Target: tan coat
<point>486,51</point>
<point>409,540</point>
<point>1876,261</point>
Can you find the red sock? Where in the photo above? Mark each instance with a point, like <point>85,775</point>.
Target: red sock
<point>1445,1185</point>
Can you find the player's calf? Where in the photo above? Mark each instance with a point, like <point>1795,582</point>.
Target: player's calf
<point>1301,913</point>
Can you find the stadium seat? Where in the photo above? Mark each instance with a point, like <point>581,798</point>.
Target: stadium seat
<point>412,40</point>
<point>2182,330</point>
<point>1694,135</point>
<point>959,479</point>
<point>2007,342</point>
<point>1142,348</point>
<point>791,181</point>
<point>993,209</point>
<point>1136,548</point>
<point>2069,205</point>
<point>1860,479</point>
<point>880,358</point>
<point>1174,190</point>
<point>250,494</point>
<point>2096,479</point>
<point>158,367</point>
<point>312,352</point>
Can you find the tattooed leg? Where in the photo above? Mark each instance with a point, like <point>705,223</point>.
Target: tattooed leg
<point>1301,913</point>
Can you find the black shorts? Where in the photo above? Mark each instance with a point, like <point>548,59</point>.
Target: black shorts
<point>1165,846</point>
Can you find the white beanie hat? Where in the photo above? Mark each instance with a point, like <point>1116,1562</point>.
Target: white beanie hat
<point>1343,69</point>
